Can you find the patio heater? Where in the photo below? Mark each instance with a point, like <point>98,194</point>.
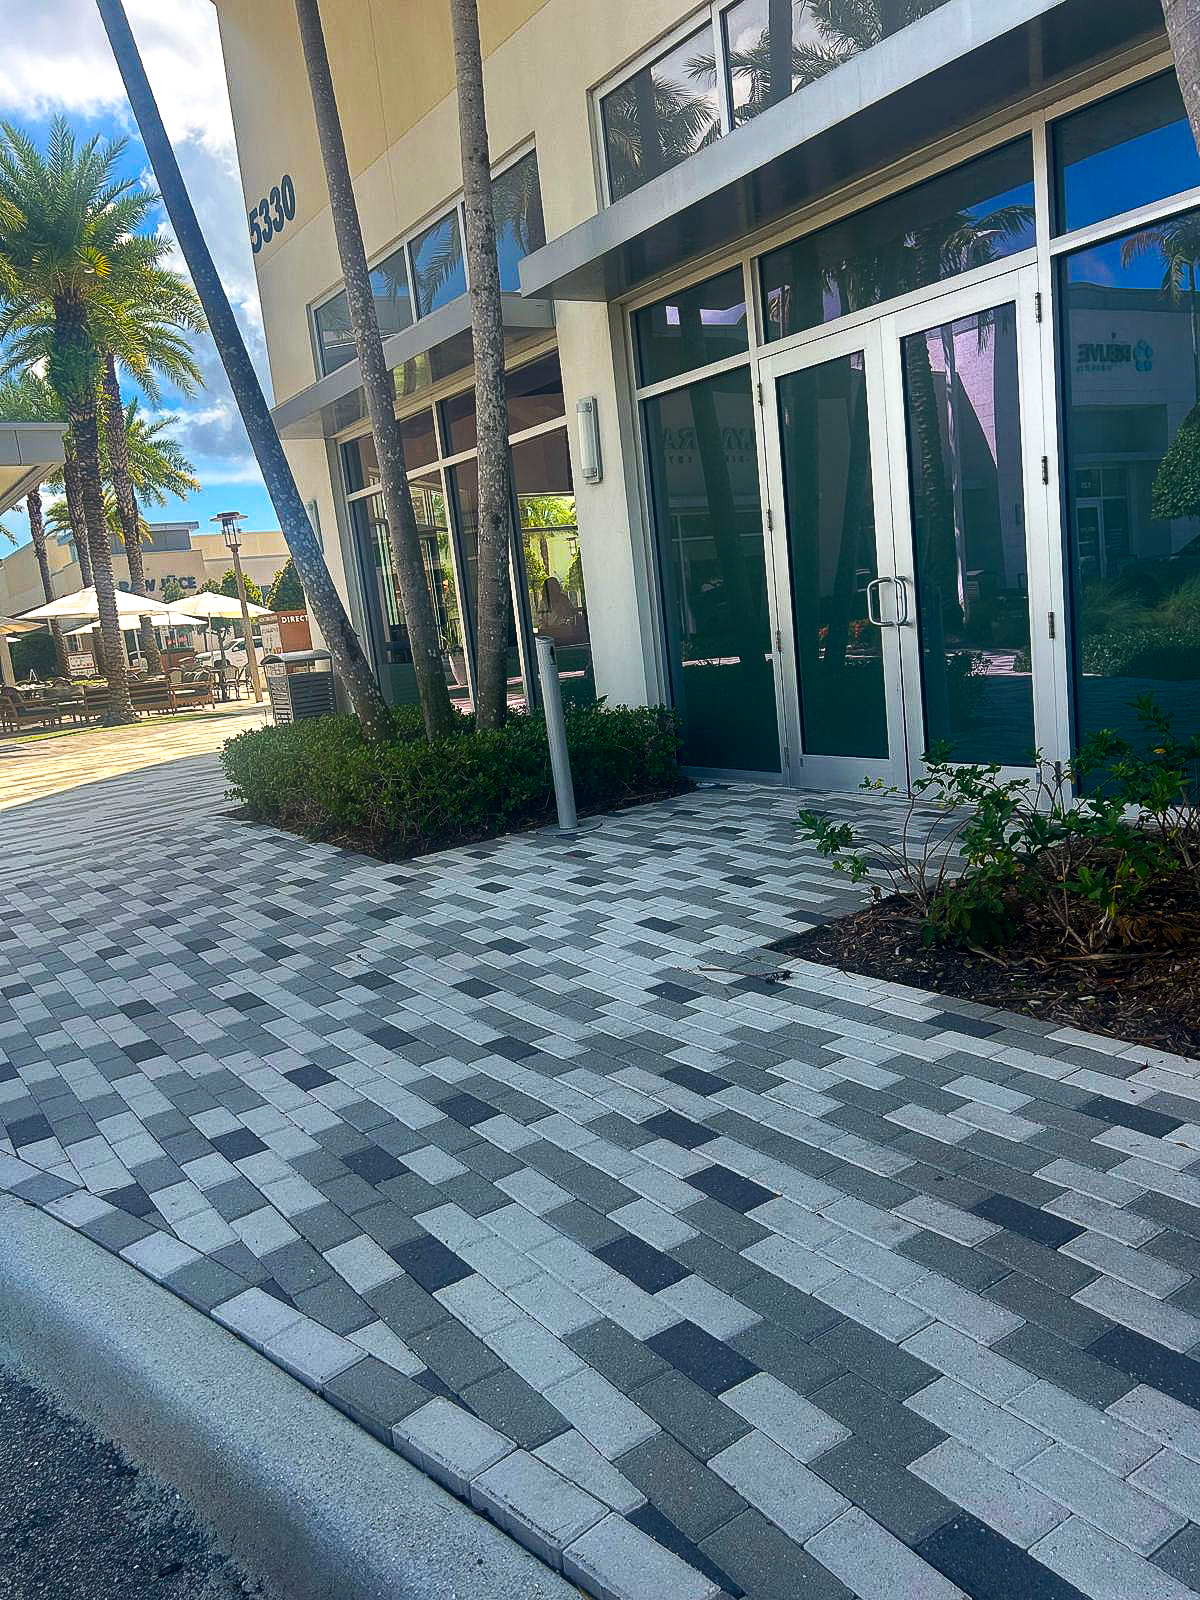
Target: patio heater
<point>233,540</point>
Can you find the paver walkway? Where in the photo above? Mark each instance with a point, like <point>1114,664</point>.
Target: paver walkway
<point>699,1272</point>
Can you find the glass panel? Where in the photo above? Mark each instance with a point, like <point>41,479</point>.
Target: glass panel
<point>465,487</point>
<point>703,471</point>
<point>964,450</point>
<point>966,218</point>
<point>1131,362</point>
<point>398,679</point>
<point>393,307</point>
<point>553,565</point>
<point>535,394</point>
<point>458,422</point>
<point>662,115</point>
<point>773,47</point>
<point>520,226</point>
<point>825,433</point>
<point>438,267</point>
<point>699,325</point>
<point>1126,151</point>
<point>420,441</point>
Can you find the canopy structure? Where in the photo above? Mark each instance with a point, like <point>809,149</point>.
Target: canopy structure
<point>219,606</point>
<point>83,603</point>
<point>9,628</point>
<point>160,625</point>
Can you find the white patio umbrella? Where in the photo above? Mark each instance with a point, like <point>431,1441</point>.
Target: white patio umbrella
<point>9,628</point>
<point>215,605</point>
<point>160,625</point>
<point>83,603</point>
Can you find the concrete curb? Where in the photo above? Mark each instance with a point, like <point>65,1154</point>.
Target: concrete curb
<point>296,1491</point>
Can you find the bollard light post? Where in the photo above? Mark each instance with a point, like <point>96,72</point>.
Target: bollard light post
<point>556,733</point>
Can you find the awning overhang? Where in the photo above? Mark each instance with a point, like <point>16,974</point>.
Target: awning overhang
<point>29,453</point>
<point>433,349</point>
<point>954,67</point>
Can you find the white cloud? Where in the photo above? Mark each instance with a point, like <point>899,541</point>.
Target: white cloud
<point>57,60</point>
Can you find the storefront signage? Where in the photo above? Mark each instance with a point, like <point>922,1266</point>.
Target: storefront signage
<point>1114,356</point>
<point>272,214</point>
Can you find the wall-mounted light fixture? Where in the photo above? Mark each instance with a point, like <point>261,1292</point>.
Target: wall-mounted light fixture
<point>591,462</point>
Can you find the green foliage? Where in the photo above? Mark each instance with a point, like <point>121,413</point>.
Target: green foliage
<point>980,856</point>
<point>286,593</point>
<point>33,652</point>
<point>1176,491</point>
<point>171,591</point>
<point>406,795</point>
<point>1170,653</point>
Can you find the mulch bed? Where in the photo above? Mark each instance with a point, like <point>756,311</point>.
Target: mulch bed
<point>1148,997</point>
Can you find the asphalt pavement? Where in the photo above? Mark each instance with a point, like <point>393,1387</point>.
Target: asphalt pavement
<point>78,1521</point>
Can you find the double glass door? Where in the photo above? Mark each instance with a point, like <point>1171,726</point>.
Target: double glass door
<point>909,541</point>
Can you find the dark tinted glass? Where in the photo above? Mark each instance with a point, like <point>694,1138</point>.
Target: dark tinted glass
<point>965,218</point>
<point>553,565</point>
<point>464,482</point>
<point>662,115</point>
<point>458,422</point>
<point>773,47</point>
<point>1126,151</point>
<point>393,307</point>
<point>1131,332</point>
<point>420,442</point>
<point>691,329</point>
<point>535,394</point>
<point>703,472</point>
<point>438,268</point>
<point>520,226</point>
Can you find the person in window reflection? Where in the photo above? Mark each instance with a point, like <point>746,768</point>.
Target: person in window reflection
<point>558,616</point>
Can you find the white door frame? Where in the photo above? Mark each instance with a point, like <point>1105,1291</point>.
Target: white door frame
<point>879,341</point>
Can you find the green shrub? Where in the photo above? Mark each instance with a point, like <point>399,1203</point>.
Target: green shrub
<point>405,795</point>
<point>1170,653</point>
<point>982,857</point>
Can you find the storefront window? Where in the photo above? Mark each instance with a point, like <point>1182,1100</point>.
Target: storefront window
<point>520,226</point>
<point>703,469</point>
<point>774,47</point>
<point>1131,367</point>
<point>439,271</point>
<point>464,483</point>
<point>534,393</point>
<point>393,307</point>
<point>966,218</point>
<point>662,115</point>
<point>693,328</point>
<point>553,564</point>
<point>1129,150</point>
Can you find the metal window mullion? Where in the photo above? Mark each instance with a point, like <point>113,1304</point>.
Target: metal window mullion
<point>714,369</point>
<point>1127,222</point>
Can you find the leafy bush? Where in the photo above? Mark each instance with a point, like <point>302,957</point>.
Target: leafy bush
<point>406,795</point>
<point>1171,653</point>
<point>981,857</point>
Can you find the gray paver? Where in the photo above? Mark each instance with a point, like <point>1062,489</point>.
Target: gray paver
<point>870,1562</point>
<point>532,1501</point>
<point>777,1485</point>
<point>616,1561</point>
<point>450,1444</point>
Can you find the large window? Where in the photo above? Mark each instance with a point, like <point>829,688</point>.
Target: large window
<point>547,569</point>
<point>1131,376</point>
<point>662,115</point>
<point>703,470</point>
<point>963,219</point>
<point>692,329</point>
<point>1127,151</point>
<point>430,269</point>
<point>774,47</point>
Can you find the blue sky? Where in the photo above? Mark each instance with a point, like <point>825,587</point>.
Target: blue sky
<point>57,62</point>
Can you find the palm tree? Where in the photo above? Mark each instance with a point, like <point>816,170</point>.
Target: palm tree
<point>340,638</point>
<point>494,463</point>
<point>78,228</point>
<point>30,398</point>
<point>415,598</point>
<point>1183,30</point>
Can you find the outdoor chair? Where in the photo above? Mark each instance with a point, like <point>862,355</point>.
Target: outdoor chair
<point>34,712</point>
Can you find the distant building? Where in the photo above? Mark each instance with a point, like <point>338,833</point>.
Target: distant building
<point>169,550</point>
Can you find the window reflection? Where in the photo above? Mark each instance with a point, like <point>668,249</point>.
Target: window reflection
<point>774,47</point>
<point>704,480</point>
<point>439,271</point>
<point>393,308</point>
<point>692,328</point>
<point>1131,362</point>
<point>966,218</point>
<point>662,115</point>
<point>553,564</point>
<point>464,481</point>
<point>520,226</point>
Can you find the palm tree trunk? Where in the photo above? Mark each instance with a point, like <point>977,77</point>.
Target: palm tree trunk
<point>117,442</point>
<point>85,427</point>
<point>37,532</point>
<point>341,640</point>
<point>1183,30</point>
<point>415,598</point>
<point>491,402</point>
<point>74,494</point>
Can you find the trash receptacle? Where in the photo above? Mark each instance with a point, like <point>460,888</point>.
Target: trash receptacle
<point>300,683</point>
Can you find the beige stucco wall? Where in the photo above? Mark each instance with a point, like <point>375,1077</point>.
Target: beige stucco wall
<point>393,70</point>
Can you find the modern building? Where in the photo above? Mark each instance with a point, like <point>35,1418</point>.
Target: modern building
<point>170,550</point>
<point>853,354</point>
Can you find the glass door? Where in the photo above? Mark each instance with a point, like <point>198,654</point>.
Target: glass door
<point>841,601</point>
<point>969,509</point>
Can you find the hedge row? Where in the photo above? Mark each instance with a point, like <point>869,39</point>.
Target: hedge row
<point>405,795</point>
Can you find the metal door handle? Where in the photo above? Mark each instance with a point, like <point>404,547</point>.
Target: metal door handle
<point>902,594</point>
<point>874,588</point>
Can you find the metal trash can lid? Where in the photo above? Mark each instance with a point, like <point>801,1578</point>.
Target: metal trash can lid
<point>291,656</point>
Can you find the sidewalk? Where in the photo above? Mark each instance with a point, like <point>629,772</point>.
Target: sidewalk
<point>699,1274</point>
